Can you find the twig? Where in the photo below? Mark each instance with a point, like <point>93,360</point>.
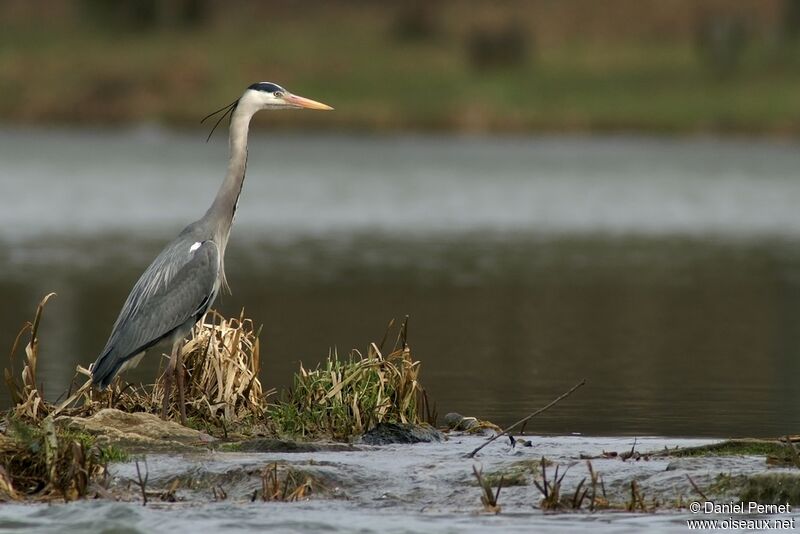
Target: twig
<point>545,486</point>
<point>595,478</point>
<point>385,335</point>
<point>85,387</point>
<point>489,498</point>
<point>402,335</point>
<point>626,455</point>
<point>142,482</point>
<point>551,491</point>
<point>637,499</point>
<point>529,417</point>
<point>696,488</point>
<point>578,497</point>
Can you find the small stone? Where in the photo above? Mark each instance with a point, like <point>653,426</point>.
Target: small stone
<point>137,431</point>
<point>673,466</point>
<point>453,419</point>
<point>456,421</point>
<point>388,433</point>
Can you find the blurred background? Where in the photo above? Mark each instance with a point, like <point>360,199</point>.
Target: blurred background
<point>551,190</point>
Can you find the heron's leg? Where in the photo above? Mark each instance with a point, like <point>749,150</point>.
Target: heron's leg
<point>179,370</point>
<point>169,375</point>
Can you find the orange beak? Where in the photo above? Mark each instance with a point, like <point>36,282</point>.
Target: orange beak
<point>305,103</point>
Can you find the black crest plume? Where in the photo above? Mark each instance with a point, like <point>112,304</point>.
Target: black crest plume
<point>226,111</point>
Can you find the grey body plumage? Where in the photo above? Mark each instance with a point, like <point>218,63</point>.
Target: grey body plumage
<point>168,299</point>
<point>180,286</point>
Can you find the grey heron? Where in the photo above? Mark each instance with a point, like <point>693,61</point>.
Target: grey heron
<point>180,285</point>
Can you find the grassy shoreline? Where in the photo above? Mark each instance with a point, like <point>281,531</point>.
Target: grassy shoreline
<point>86,73</point>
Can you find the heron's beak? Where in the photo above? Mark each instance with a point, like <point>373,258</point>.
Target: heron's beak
<point>306,103</point>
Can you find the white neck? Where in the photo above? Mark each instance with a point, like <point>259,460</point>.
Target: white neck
<point>223,209</point>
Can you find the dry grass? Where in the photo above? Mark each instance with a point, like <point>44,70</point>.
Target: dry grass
<point>550,489</point>
<point>489,497</point>
<point>221,364</point>
<point>344,398</point>
<point>25,395</point>
<point>288,486</point>
<point>340,399</point>
<point>555,499</point>
<point>43,461</point>
<point>222,361</point>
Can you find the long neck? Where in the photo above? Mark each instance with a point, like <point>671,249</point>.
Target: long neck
<point>222,210</point>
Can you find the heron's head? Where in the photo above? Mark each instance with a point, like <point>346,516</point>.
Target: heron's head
<point>268,95</point>
<point>263,95</point>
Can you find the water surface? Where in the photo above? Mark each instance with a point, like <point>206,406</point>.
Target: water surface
<point>666,272</point>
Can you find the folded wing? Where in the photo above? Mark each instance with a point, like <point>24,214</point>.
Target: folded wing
<point>178,288</point>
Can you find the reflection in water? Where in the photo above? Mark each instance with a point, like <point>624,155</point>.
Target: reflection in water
<point>666,273</point>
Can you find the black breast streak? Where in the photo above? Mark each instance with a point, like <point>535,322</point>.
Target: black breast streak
<point>239,193</point>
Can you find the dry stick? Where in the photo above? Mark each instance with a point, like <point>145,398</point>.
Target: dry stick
<point>385,335</point>
<point>402,335</point>
<point>142,482</point>
<point>696,488</point>
<point>529,417</point>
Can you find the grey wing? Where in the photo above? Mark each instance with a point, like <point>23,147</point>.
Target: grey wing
<point>179,285</point>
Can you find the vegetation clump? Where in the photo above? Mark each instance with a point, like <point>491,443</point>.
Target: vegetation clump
<point>222,361</point>
<point>733,447</point>
<point>221,364</point>
<point>763,488</point>
<point>51,447</point>
<point>489,496</point>
<point>286,485</point>
<point>342,398</point>
<point>45,461</point>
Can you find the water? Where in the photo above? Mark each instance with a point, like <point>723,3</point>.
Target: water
<point>666,272</point>
<point>398,489</point>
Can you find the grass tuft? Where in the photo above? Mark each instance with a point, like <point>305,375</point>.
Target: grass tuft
<point>221,364</point>
<point>45,462</point>
<point>26,396</point>
<point>489,496</point>
<point>287,486</point>
<point>342,398</point>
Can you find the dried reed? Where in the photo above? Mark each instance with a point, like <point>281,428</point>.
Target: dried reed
<point>25,395</point>
<point>550,489</point>
<point>341,398</point>
<point>293,486</point>
<point>221,361</point>
<point>489,497</point>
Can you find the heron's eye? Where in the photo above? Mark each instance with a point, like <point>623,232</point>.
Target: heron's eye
<point>278,94</point>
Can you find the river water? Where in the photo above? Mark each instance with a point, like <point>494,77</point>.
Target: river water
<point>402,489</point>
<point>666,272</point>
